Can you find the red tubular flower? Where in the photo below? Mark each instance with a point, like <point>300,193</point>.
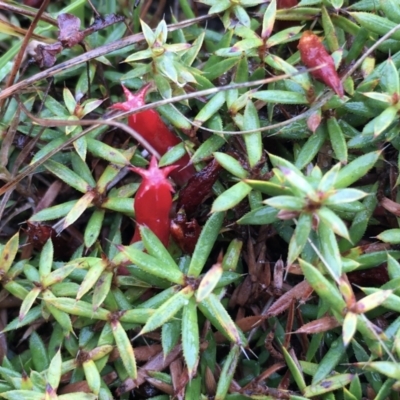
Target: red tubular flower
<point>150,125</point>
<point>153,201</point>
<point>314,54</point>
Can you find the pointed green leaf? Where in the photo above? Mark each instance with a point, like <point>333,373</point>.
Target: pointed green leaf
<point>58,275</point>
<point>8,254</point>
<point>79,208</point>
<point>46,259</point>
<point>102,288</point>
<point>209,282</point>
<point>125,349</point>
<point>92,376</point>
<point>213,310</point>
<point>330,360</point>
<point>231,165</point>
<point>324,288</point>
<point>231,197</point>
<point>190,337</point>
<point>152,265</point>
<point>205,243</point>
<point>54,371</point>
<point>227,373</point>
<point>328,385</point>
<point>268,20</point>
<point>156,249</point>
<point>259,216</point>
<point>338,141</point>
<point>28,302</point>
<point>299,237</point>
<point>67,176</point>
<point>78,307</point>
<point>167,311</point>
<point>280,96</point>
<point>330,219</point>
<point>91,277</point>
<point>356,169</point>
<point>294,370</point>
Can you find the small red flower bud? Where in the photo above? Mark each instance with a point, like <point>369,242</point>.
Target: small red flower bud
<point>150,125</point>
<point>314,54</point>
<point>153,201</point>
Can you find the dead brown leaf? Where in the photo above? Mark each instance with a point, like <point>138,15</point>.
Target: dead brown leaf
<point>323,324</point>
<point>301,292</point>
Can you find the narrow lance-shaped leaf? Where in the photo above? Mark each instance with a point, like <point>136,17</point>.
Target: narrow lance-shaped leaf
<point>212,308</point>
<point>8,254</point>
<point>46,259</point>
<point>190,337</point>
<point>330,360</point>
<point>341,196</point>
<point>356,169</point>
<point>228,370</point>
<point>325,289</point>
<point>294,369</point>
<point>93,227</point>
<point>156,249</point>
<point>232,255</point>
<point>373,300</point>
<point>268,20</point>
<point>78,307</point>
<point>329,218</point>
<point>328,385</point>
<point>289,203</point>
<point>231,197</point>
<point>337,139</point>
<point>58,275</point>
<point>205,243</point>
<point>152,265</point>
<point>91,278</point>
<point>384,120</point>
<point>299,237</point>
<point>54,371</point>
<point>92,376</point>
<point>171,332</point>
<point>212,107</point>
<point>67,176</point>
<point>280,96</point>
<point>102,288</point>
<point>390,236</point>
<point>209,282</point>
<point>298,182</point>
<point>330,249</point>
<point>79,208</point>
<point>253,141</point>
<point>283,36</point>
<point>106,152</point>
<point>387,368</point>
<point>349,327</point>
<point>38,350</point>
<point>391,77</point>
<point>60,316</point>
<point>231,165</point>
<point>167,311</point>
<point>28,302</point>
<point>125,348</point>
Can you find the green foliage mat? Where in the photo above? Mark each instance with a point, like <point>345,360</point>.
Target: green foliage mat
<point>281,277</point>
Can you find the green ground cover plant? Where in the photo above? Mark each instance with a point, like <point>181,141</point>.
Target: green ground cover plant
<point>280,278</point>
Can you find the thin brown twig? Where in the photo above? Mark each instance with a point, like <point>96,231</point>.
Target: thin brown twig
<point>27,12</point>
<point>24,45</point>
<point>95,53</point>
